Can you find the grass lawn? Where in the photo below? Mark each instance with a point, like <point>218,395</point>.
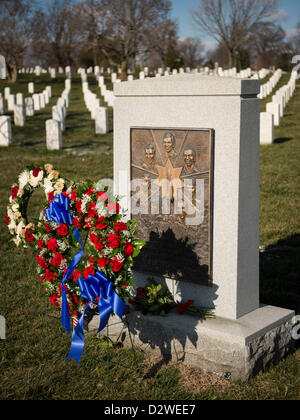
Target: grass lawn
<point>32,357</point>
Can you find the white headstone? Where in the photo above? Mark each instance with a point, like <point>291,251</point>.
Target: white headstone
<point>274,108</point>
<point>5,131</point>
<point>29,107</point>
<point>53,135</point>
<point>10,102</point>
<point>36,102</point>
<point>20,100</point>
<point>31,87</point>
<point>19,116</point>
<point>6,92</point>
<point>2,105</point>
<point>42,100</point>
<point>49,90</point>
<point>266,128</point>
<point>2,67</point>
<point>101,120</point>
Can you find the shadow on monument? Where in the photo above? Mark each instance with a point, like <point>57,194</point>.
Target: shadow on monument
<point>174,333</point>
<point>173,258</point>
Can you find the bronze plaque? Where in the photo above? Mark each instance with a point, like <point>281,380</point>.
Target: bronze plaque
<point>173,206</point>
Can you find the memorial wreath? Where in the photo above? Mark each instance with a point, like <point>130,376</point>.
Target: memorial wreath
<point>85,217</point>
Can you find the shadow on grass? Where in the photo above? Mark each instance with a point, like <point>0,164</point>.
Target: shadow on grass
<point>283,140</point>
<point>280,274</point>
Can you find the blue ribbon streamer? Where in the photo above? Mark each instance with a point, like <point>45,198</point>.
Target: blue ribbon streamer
<point>58,212</point>
<point>95,286</point>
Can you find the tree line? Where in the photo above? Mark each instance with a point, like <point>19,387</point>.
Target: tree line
<point>131,34</point>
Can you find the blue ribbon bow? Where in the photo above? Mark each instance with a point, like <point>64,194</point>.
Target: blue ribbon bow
<point>58,212</point>
<point>95,286</point>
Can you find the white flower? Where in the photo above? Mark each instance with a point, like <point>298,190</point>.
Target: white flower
<point>24,178</point>
<point>59,186</point>
<point>86,198</point>
<point>101,209</point>
<point>12,225</point>
<point>10,212</point>
<point>63,265</point>
<point>17,215</point>
<point>62,245</point>
<point>120,257</point>
<point>83,207</point>
<point>17,240</point>
<point>48,186</point>
<point>34,180</point>
<point>21,229</point>
<point>15,207</point>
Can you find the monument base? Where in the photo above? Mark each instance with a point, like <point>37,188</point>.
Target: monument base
<point>234,349</point>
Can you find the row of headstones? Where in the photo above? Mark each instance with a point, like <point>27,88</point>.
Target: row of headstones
<point>21,111</point>
<point>98,71</point>
<point>38,70</point>
<point>267,88</point>
<point>275,110</point>
<point>56,125</point>
<point>98,113</point>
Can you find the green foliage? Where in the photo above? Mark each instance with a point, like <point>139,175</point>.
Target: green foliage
<point>154,299</point>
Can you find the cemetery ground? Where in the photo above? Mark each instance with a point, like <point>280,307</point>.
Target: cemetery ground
<point>32,356</point>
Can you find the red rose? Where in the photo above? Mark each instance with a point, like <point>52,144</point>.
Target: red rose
<point>29,236</point>
<point>36,172</point>
<point>14,192</point>
<point>102,195</point>
<point>6,219</point>
<point>87,271</point>
<point>62,230</point>
<point>89,191</point>
<point>54,299</point>
<point>113,241</point>
<point>128,249</point>
<point>56,261</point>
<point>102,262</point>
<point>41,244</point>
<point>120,227</point>
<point>47,227</point>
<point>100,223</point>
<point>76,275</point>
<point>52,244</point>
<point>99,246</point>
<point>41,262</point>
<point>41,279</point>
<point>78,206</point>
<point>73,195</point>
<point>49,275</point>
<point>116,265</point>
<point>76,222</point>
<point>92,210</point>
<point>91,260</point>
<point>51,196</point>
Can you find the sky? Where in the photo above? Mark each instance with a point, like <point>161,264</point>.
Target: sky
<point>289,16</point>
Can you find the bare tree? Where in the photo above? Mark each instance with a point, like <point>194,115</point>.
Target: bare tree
<point>191,51</point>
<point>231,22</point>
<point>266,43</point>
<point>57,33</point>
<point>131,27</point>
<point>16,18</point>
